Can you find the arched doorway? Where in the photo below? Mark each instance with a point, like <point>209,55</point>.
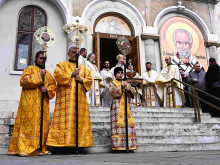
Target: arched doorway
<point>107,29</point>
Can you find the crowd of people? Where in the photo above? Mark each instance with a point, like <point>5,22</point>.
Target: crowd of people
<point>106,88</point>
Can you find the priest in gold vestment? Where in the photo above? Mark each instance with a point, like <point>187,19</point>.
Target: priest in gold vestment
<point>151,98</point>
<point>164,80</point>
<point>25,139</point>
<point>117,114</point>
<point>63,127</point>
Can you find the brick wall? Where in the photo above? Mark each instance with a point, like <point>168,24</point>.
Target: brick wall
<point>7,120</point>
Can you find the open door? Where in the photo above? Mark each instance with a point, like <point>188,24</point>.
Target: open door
<point>135,54</point>
<point>96,38</point>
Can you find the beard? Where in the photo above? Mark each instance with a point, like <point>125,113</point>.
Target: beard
<point>184,53</point>
<point>93,61</point>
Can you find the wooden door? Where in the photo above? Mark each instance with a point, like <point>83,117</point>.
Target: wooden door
<point>96,38</point>
<point>135,54</point>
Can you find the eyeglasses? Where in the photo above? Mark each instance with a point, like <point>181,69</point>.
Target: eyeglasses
<point>41,58</point>
<point>73,52</point>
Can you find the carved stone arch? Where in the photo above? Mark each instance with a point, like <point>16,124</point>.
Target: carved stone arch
<point>186,13</point>
<point>133,8</point>
<point>121,7</point>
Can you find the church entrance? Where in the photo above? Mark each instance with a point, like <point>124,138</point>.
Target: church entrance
<point>107,29</point>
<point>106,49</point>
<point>108,52</point>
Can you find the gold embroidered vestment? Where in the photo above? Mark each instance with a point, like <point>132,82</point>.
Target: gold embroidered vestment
<point>26,134</point>
<point>63,127</point>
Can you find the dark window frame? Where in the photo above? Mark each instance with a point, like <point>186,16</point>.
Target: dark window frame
<point>31,32</point>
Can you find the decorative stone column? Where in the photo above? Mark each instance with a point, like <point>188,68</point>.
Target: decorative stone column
<point>149,48</point>
<point>213,53</point>
<point>213,50</point>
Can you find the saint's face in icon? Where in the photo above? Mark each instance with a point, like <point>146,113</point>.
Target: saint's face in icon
<point>183,42</point>
<point>112,23</point>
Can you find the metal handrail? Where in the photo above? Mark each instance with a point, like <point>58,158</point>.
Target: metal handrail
<point>195,96</point>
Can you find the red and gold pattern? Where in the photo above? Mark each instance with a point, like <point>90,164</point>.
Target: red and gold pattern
<point>63,127</point>
<point>26,134</point>
<point>118,134</point>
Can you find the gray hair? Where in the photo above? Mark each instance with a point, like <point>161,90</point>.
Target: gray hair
<point>72,46</point>
<point>89,56</point>
<point>197,63</point>
<point>183,30</point>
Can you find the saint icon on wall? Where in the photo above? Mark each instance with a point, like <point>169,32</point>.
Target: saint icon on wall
<point>113,25</point>
<point>181,39</point>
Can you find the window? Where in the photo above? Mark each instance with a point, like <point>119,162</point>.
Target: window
<point>30,19</point>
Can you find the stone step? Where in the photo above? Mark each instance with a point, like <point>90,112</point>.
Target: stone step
<point>3,150</point>
<point>140,109</point>
<point>160,147</point>
<point>154,114</point>
<point>178,139</point>
<point>158,119</point>
<point>179,147</point>
<point>170,139</point>
<point>161,125</point>
<point>146,110</point>
<point>165,132</point>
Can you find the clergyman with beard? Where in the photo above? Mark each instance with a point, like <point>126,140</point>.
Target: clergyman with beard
<point>93,96</point>
<point>107,77</point>
<point>82,57</point>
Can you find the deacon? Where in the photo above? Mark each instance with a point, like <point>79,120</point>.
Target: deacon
<point>63,127</point>
<point>93,96</point>
<point>25,139</point>
<point>118,129</point>
<point>131,69</point>
<point>138,91</point>
<point>106,79</point>
<point>82,57</point>
<point>164,79</point>
<point>150,90</point>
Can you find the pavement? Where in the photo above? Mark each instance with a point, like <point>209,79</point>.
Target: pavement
<point>143,158</point>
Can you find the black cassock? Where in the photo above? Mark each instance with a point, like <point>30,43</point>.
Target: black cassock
<point>212,76</point>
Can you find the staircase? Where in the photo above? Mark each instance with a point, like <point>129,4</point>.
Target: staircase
<point>157,129</point>
<point>160,129</point>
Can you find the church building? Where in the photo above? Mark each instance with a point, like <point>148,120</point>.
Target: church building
<point>185,29</point>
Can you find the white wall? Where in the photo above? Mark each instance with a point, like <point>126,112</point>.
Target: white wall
<point>10,84</point>
<point>217,27</point>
